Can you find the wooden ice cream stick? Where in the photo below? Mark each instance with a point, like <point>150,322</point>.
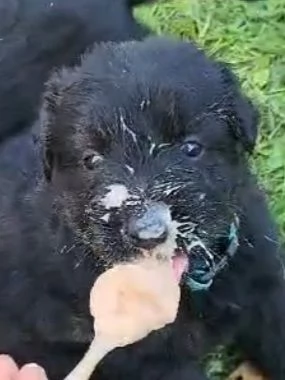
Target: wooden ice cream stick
<point>95,353</point>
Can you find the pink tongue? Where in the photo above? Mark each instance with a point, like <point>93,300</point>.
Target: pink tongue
<point>179,265</point>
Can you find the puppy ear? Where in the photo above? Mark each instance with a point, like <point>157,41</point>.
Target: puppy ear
<point>52,134</point>
<point>52,100</point>
<point>246,128</point>
<point>244,116</point>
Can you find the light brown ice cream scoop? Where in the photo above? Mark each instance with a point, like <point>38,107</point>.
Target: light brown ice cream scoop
<point>128,302</point>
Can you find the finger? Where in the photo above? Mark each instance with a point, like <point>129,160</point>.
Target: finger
<point>8,368</point>
<point>32,372</point>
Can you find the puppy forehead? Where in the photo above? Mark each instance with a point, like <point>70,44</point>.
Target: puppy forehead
<point>114,73</point>
<point>147,88</point>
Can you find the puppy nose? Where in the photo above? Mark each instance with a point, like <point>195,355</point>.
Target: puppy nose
<point>151,228</point>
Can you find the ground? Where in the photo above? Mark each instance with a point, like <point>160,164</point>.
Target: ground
<point>249,36</point>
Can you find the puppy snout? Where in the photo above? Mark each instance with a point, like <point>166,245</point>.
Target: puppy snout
<point>150,228</point>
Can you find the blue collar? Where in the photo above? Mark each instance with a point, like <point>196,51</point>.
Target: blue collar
<point>206,279</point>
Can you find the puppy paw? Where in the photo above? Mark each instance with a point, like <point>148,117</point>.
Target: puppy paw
<point>246,372</point>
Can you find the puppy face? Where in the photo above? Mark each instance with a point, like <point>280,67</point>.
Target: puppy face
<point>145,147</point>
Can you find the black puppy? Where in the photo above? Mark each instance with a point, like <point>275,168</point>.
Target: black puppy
<point>144,147</point>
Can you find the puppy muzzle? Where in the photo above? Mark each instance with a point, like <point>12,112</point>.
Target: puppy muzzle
<point>204,267</point>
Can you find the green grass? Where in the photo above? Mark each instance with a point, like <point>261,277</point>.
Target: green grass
<point>250,37</point>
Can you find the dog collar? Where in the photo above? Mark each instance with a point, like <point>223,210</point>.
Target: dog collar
<point>203,280</point>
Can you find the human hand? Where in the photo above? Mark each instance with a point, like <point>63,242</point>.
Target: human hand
<point>10,371</point>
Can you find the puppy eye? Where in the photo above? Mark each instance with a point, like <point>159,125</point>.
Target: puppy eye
<point>193,149</point>
<point>91,159</point>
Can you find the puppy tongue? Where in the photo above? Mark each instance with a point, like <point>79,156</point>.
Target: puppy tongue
<point>179,265</point>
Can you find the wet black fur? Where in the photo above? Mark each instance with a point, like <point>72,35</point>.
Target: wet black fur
<point>167,91</point>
